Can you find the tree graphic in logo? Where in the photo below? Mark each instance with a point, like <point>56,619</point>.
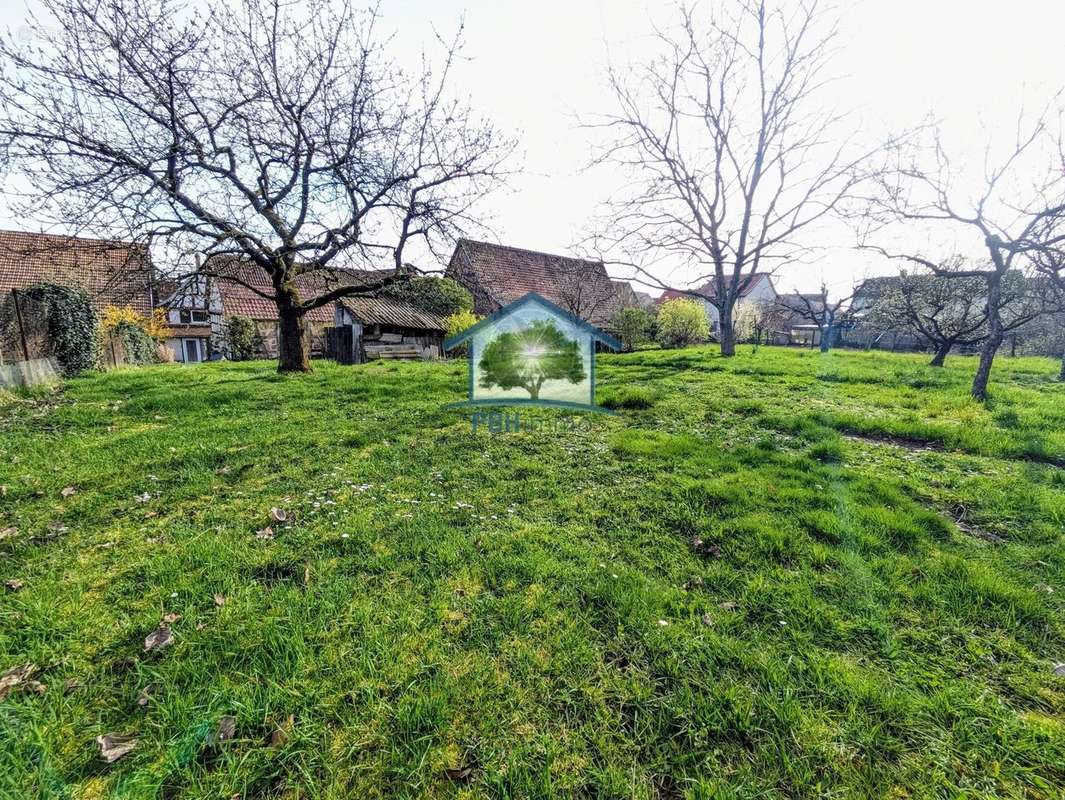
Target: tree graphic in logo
<point>528,357</point>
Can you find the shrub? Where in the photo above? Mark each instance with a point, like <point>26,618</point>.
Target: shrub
<point>458,322</point>
<point>140,335</point>
<point>72,326</point>
<point>140,347</point>
<point>155,325</point>
<point>441,296</point>
<point>633,327</point>
<point>242,338</point>
<point>682,322</point>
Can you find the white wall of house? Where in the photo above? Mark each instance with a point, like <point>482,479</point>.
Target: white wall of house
<point>760,292</point>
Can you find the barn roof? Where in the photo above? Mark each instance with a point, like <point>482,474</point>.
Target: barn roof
<point>111,272</point>
<point>509,273</point>
<point>387,311</point>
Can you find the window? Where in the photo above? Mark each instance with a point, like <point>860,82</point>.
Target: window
<point>199,316</point>
<point>185,316</point>
<point>189,316</point>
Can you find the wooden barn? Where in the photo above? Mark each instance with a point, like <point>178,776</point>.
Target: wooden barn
<point>368,328</point>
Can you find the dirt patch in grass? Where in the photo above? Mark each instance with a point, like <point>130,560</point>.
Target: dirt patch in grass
<point>913,445</point>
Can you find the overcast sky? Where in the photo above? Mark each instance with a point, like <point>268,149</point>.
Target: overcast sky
<point>533,66</point>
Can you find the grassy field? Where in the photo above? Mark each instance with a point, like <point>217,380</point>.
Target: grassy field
<point>784,574</point>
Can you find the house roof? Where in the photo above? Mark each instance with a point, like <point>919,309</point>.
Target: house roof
<point>509,273</point>
<point>533,297</point>
<point>709,289</point>
<point>242,286</point>
<point>387,311</point>
<point>111,272</point>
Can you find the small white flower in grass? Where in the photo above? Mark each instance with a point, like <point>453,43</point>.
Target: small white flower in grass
<point>613,575</point>
<point>345,535</point>
<point>602,565</point>
<point>663,623</point>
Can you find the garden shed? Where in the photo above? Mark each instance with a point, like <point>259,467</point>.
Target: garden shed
<point>368,328</point>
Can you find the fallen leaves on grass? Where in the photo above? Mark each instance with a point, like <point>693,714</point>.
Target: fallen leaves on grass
<point>14,584</point>
<point>708,549</point>
<point>281,733</point>
<point>728,605</point>
<point>17,679</point>
<point>265,533</point>
<point>8,533</point>
<point>68,491</point>
<point>145,695</point>
<point>219,599</point>
<point>159,638</point>
<point>115,745</point>
<point>171,618</point>
<point>227,727</point>
<point>458,774</point>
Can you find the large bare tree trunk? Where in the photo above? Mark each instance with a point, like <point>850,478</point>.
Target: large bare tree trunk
<point>826,337</point>
<point>727,332</point>
<point>941,354</point>
<point>293,346</point>
<point>994,339</point>
<point>1061,375</point>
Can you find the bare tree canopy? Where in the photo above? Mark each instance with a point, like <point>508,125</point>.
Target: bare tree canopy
<point>731,155</point>
<point>1015,214</point>
<point>276,132</point>
<point>820,310</point>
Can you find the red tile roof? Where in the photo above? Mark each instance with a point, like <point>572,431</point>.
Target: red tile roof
<point>498,275</point>
<point>238,279</point>
<point>709,289</point>
<point>111,272</point>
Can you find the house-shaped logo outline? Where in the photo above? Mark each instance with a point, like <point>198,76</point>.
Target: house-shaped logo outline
<point>594,334</point>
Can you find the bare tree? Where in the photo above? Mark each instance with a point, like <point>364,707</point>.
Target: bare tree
<point>584,290</point>
<point>1017,216</point>
<point>727,147</point>
<point>945,312</point>
<point>278,133</point>
<point>821,311</point>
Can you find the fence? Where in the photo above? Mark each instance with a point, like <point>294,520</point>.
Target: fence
<point>26,353</point>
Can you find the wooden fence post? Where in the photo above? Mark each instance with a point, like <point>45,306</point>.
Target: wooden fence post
<point>21,327</point>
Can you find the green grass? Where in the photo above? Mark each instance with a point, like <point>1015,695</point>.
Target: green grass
<point>784,574</point>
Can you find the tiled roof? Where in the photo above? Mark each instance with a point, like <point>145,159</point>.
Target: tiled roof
<point>237,279</point>
<point>506,274</point>
<point>111,272</point>
<point>709,289</point>
<point>386,311</point>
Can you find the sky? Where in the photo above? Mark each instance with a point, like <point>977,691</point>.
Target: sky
<point>535,67</point>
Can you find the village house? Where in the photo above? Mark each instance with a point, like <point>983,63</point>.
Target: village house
<point>497,275</point>
<point>112,273</point>
<point>756,288</point>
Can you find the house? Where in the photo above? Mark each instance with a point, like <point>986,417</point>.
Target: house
<point>497,275</point>
<point>532,351</point>
<point>756,288</point>
<point>111,272</point>
<point>194,319</point>
<point>383,327</point>
<point>237,287</point>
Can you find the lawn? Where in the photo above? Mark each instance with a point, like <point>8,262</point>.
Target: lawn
<point>784,574</point>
